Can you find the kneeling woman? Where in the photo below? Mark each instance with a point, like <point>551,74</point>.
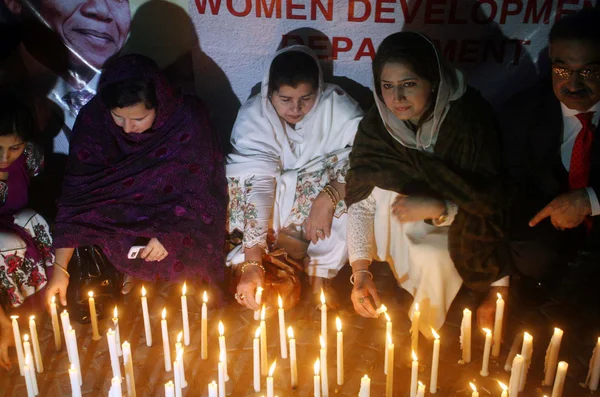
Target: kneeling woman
<point>287,171</point>
<point>144,164</point>
<point>424,187</point>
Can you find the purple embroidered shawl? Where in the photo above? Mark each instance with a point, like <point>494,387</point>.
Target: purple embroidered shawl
<point>168,182</point>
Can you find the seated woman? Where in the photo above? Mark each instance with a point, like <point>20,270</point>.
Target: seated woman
<point>25,241</point>
<point>144,163</point>
<point>287,171</point>
<point>424,189</point>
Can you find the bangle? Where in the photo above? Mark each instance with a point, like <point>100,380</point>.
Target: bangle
<point>360,271</point>
<point>251,263</point>
<point>444,216</point>
<point>62,268</point>
<point>331,196</point>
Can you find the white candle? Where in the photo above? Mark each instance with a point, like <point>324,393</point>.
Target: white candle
<point>561,376</point>
<point>66,325</point>
<point>593,377</point>
<point>115,321</point>
<point>421,390</point>
<point>414,374</point>
<point>72,347</point>
<point>435,362</point>
<point>179,353</point>
<point>515,376</point>
<point>340,351</point>
<point>414,329</point>
<point>263,343</point>
<point>324,371</point>
<point>185,317</point>
<point>293,363</point>
<point>29,381</point>
<point>258,300</point>
<point>204,333</point>
<point>169,389</point>
<point>381,309</point>
<point>514,349</point>
<point>37,354</point>
<point>147,330</point>
<point>93,317</point>
<point>389,380</point>
<point>388,331</point>
<point>29,362</point>
<point>18,343</point>
<point>317,380</point>
<point>177,376</point>
<point>115,386</point>
<point>256,359</point>
<point>498,326</point>
<point>504,389</point>
<point>365,387</point>
<point>55,326</point>
<point>282,338</point>
<point>165,340</point>
<point>465,336</point>
<point>114,356</point>
<point>486,353</point>
<point>475,392</point>
<point>128,364</point>
<point>323,321</point>
<point>551,360</point>
<point>526,352</point>
<point>212,389</point>
<point>221,374</point>
<point>74,378</point>
<point>223,348</point>
<point>270,392</point>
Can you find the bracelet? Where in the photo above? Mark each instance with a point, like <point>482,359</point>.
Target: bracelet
<point>251,263</point>
<point>62,268</point>
<point>444,216</point>
<point>334,191</point>
<point>360,271</point>
<point>331,195</point>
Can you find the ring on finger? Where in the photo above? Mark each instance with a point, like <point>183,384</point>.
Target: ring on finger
<point>320,232</point>
<point>361,300</point>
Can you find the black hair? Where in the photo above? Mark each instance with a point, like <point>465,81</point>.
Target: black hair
<point>122,94</point>
<point>583,26</point>
<point>293,68</point>
<point>16,117</point>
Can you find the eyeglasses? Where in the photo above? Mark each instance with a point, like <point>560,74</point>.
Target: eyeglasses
<point>584,74</point>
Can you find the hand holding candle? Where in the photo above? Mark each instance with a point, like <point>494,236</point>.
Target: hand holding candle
<point>93,317</point>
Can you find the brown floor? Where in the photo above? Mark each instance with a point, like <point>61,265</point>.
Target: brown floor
<point>364,341</point>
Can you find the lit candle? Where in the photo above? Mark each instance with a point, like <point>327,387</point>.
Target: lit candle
<point>498,326</point>
<point>414,375</point>
<point>421,390</point>
<point>475,392</point>
<point>165,340</point>
<point>177,376</point>
<point>526,352</point>
<point>435,362</point>
<point>465,336</point>
<point>18,343</point>
<point>263,343</point>
<point>115,321</point>
<point>388,331</point>
<point>55,327</point>
<point>93,317</point>
<point>115,386</point>
<point>169,389</point>
<point>389,380</point>
<point>256,359</point>
<point>515,376</point>
<point>317,380</point>
<point>381,309</point>
<point>66,325</point>
<point>486,353</point>
<point>29,363</point>
<point>258,300</point>
<point>179,354</point>
<point>551,360</point>
<point>323,321</point>
<point>282,339</point>
<point>324,372</point>
<point>559,381</point>
<point>270,392</point>
<point>185,317</point>
<point>212,389</point>
<point>223,348</point>
<point>514,349</point>
<point>221,374</point>
<point>593,377</point>
<point>71,340</point>
<point>128,364</point>
<point>340,351</point>
<point>29,381</point>
<point>114,357</point>
<point>74,378</point>
<point>147,330</point>
<point>293,364</point>
<point>414,329</point>
<point>37,354</point>
<point>204,334</point>
<point>504,389</point>
<point>365,387</point>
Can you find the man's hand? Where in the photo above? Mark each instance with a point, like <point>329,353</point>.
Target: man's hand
<point>566,211</point>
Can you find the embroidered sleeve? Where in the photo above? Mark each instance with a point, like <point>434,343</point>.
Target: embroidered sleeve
<point>361,233</point>
<point>337,169</point>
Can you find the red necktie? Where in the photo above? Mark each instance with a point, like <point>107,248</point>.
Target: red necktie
<point>579,172</point>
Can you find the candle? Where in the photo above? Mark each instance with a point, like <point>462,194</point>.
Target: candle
<point>185,317</point>
<point>282,339</point>
<point>115,386</point>
<point>270,392</point>
<point>263,343</point>
<point>179,353</point>
<point>204,333</point>
<point>128,364</point>
<point>340,351</point>
<point>66,325</point>
<point>317,380</point>
<point>165,340</point>
<point>223,348</point>
<point>36,345</point>
<point>323,321</point>
<point>212,389</point>
<point>593,377</point>
<point>421,390</point>
<point>221,374</point>
<point>177,376</point>
<point>74,378</point>
<point>475,392</point>
<point>293,363</point>
<point>115,321</point>
<point>381,309</point>
<point>498,326</point>
<point>435,362</point>
<point>414,329</point>
<point>388,331</point>
<point>515,376</point>
<point>55,327</point>
<point>256,360</point>
<point>551,360</point>
<point>414,375</point>
<point>465,337</point>
<point>526,352</point>
<point>29,381</point>
<point>93,317</point>
<point>504,389</point>
<point>486,353</point>
<point>147,330</point>
<point>389,380</point>
<point>324,372</point>
<point>258,299</point>
<point>514,349</point>
<point>72,347</point>
<point>114,357</point>
<point>559,381</point>
<point>29,363</point>
<point>365,387</point>
<point>18,343</point>
<point>169,389</point>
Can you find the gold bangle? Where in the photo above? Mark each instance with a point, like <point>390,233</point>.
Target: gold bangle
<point>331,197</point>
<point>334,191</point>
<point>245,264</point>
<point>62,268</point>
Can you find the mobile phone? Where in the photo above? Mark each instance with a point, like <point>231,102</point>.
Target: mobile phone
<point>135,251</point>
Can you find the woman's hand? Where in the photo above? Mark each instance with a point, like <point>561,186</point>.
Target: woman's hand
<point>251,279</point>
<point>318,224</point>
<point>417,208</point>
<point>154,251</point>
<point>364,295</point>
<point>58,285</point>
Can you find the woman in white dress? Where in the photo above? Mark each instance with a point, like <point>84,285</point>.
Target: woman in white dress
<point>287,171</point>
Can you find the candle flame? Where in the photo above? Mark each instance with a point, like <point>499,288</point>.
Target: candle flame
<point>382,309</point>
<point>272,368</point>
<point>221,328</point>
<point>179,335</point>
<point>466,311</point>
<point>91,294</point>
<point>259,291</point>
<point>322,297</point>
<point>184,289</point>
<point>473,386</point>
<point>16,317</point>
<point>503,386</point>
<point>204,297</point>
<point>143,291</point>
<point>53,299</point>
<point>421,384</point>
<point>557,330</point>
<point>279,302</point>
<point>414,356</point>
<point>115,312</point>
<point>387,317</point>
<point>317,367</point>
<point>262,313</point>
<point>527,335</point>
<point>257,333</point>
<point>25,337</point>
<point>290,332</point>
<point>31,317</point>
<point>435,334</point>
<point>322,341</point>
<point>416,307</point>
<point>164,313</point>
<point>499,296</point>
<point>487,331</point>
<point>338,324</point>
<point>366,377</point>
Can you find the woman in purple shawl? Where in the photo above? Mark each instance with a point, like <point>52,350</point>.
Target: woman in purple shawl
<point>145,164</point>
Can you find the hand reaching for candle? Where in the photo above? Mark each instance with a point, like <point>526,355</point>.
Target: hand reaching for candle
<point>154,251</point>
<point>417,208</point>
<point>486,311</point>
<point>251,279</point>
<point>364,295</point>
